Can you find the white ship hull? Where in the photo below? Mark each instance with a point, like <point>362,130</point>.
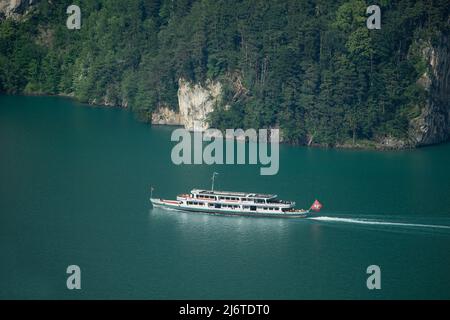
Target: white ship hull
<point>239,211</point>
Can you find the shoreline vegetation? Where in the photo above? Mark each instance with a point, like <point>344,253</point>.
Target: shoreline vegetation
<point>309,68</point>
<point>349,145</point>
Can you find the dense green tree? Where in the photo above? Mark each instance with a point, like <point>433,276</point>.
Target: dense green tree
<point>309,67</point>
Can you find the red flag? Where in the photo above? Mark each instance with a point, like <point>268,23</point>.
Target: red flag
<point>316,206</point>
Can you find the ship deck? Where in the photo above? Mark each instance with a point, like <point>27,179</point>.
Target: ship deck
<point>234,194</point>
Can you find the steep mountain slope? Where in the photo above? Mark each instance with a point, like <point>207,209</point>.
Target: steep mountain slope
<point>310,68</point>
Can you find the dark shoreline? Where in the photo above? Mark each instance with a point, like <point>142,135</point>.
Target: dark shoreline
<point>368,145</point>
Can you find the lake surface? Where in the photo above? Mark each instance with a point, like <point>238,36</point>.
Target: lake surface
<point>74,188</point>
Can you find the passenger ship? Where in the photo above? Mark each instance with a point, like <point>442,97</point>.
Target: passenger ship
<point>235,203</point>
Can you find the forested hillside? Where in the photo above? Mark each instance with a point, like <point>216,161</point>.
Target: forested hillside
<point>311,68</point>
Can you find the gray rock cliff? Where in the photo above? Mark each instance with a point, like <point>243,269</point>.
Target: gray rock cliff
<point>195,102</point>
<point>15,8</point>
<point>433,124</point>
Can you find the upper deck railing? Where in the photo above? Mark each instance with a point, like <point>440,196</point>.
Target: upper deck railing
<point>234,194</point>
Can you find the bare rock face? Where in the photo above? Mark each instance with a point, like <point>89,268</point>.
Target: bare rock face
<point>433,124</point>
<point>165,115</point>
<point>391,143</point>
<point>14,8</point>
<point>196,102</point>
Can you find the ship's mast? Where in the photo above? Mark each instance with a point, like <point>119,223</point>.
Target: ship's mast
<point>213,177</point>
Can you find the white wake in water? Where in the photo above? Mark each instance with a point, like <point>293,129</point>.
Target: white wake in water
<point>376,222</point>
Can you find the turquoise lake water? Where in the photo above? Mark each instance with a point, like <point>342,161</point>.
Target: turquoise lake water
<point>74,188</point>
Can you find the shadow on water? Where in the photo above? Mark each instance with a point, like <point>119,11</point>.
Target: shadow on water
<point>240,223</point>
